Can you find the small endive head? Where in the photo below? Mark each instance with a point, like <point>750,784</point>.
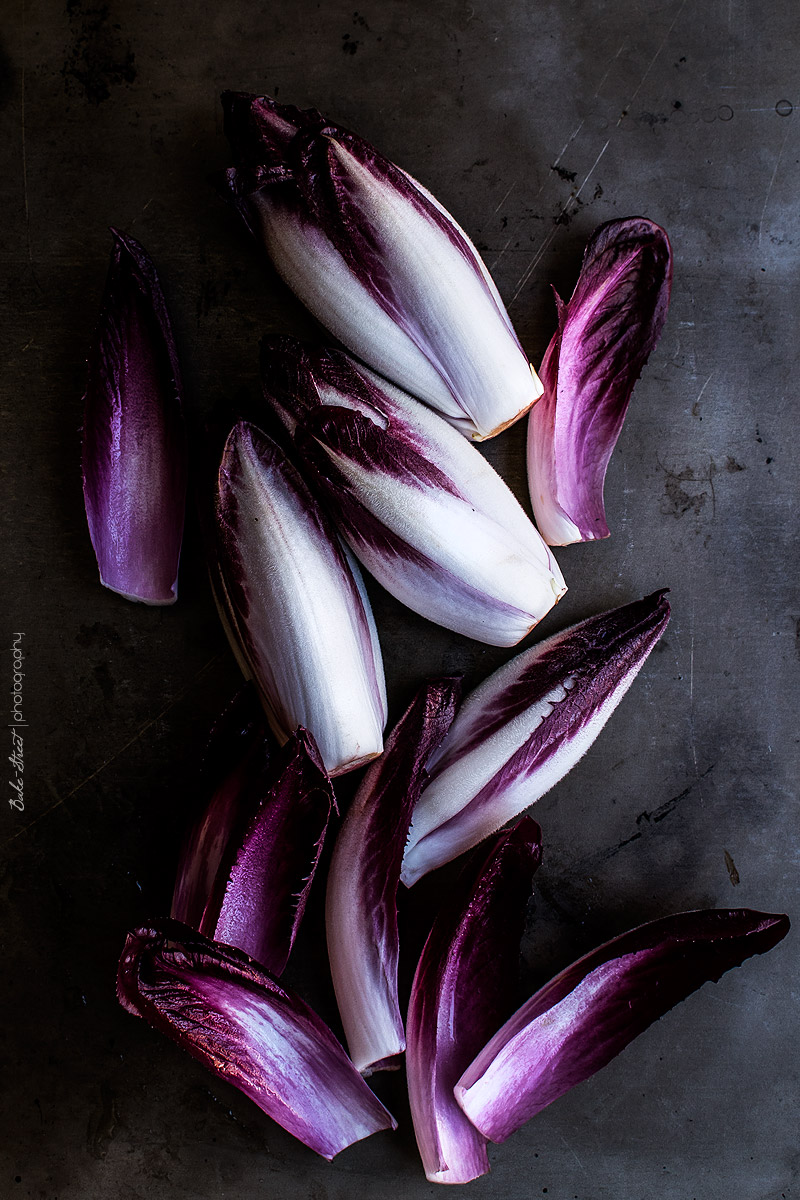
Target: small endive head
<point>378,261</point>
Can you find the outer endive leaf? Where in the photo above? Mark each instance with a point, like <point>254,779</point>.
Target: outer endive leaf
<point>606,333</point>
<point>254,852</point>
<point>238,752</point>
<point>134,440</point>
<point>591,1011</point>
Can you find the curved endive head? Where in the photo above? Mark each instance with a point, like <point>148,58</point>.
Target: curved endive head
<point>134,440</point>
<point>237,1020</point>
<point>297,605</point>
<point>606,332</point>
<point>378,261</point>
<point>421,507</point>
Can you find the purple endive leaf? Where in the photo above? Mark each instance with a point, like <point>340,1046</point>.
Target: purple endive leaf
<point>361,909</point>
<point>591,1011</point>
<point>463,988</point>
<point>378,261</point>
<point>237,753</point>
<point>134,440</point>
<point>297,605</point>
<point>251,884</point>
<point>606,333</point>
<point>520,732</point>
<point>421,508</point>
<point>238,1021</point>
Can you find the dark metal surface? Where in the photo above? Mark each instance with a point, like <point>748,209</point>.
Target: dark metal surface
<point>532,122</point>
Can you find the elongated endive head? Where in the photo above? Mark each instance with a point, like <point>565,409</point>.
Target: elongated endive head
<point>525,726</point>
<point>296,604</point>
<point>417,503</point>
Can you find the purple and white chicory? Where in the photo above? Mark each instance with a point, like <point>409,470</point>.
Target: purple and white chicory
<point>591,1011</point>
<point>525,727</point>
<point>378,261</point>
<point>249,863</point>
<point>296,605</point>
<point>606,333</point>
<point>235,758</point>
<point>421,508</point>
<point>134,439</point>
<point>237,1020</point>
<point>462,990</point>
<point>361,909</point>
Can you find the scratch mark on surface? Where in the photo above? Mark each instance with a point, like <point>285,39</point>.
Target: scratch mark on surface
<point>651,64</point>
<point>589,173</point>
<point>500,255</point>
<point>771,184</point>
<point>567,144</point>
<point>646,821</point>
<point>502,202</point>
<point>703,388</point>
<point>536,196</point>
<point>107,763</point>
<point>608,71</point>
<point>545,244</point>
<point>574,1155</point>
<point>574,196</point>
<point>532,265</point>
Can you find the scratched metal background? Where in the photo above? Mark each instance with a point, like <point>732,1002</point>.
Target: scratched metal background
<point>533,122</point>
